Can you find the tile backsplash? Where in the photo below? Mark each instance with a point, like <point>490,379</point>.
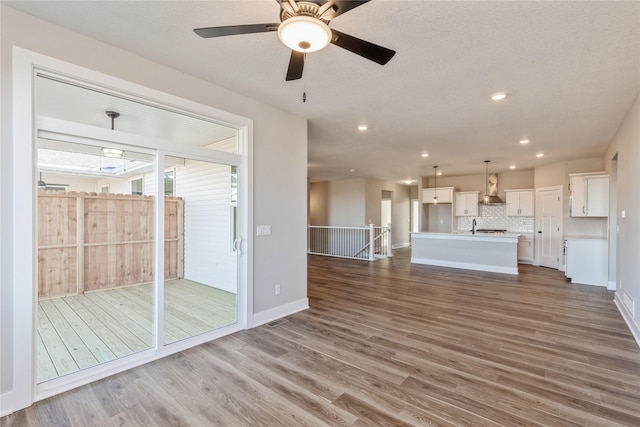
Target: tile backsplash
<point>495,217</point>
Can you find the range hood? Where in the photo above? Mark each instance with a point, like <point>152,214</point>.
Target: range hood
<point>492,186</point>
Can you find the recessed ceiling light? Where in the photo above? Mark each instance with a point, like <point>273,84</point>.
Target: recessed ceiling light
<point>408,181</point>
<point>540,155</point>
<point>363,127</point>
<point>352,170</point>
<point>425,154</point>
<point>498,96</point>
<point>512,167</point>
<point>524,141</point>
<point>439,173</point>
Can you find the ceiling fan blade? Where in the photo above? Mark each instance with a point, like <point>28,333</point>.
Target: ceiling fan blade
<point>343,6</point>
<point>368,50</point>
<point>296,65</point>
<point>231,30</point>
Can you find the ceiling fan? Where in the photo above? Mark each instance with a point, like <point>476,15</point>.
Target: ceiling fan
<point>43,185</point>
<point>304,28</point>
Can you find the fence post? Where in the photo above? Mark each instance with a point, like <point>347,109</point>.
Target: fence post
<point>389,245</point>
<point>371,245</point>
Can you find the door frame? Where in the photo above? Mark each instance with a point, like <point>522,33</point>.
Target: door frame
<point>414,213</point>
<point>26,64</point>
<point>538,219</point>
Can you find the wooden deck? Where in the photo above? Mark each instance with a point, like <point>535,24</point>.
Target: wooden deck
<point>77,332</point>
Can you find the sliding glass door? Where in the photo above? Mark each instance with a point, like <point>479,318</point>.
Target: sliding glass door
<point>137,228</point>
<point>201,261</point>
<point>95,256</point>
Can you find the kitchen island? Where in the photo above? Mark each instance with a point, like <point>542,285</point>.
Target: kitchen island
<point>496,253</point>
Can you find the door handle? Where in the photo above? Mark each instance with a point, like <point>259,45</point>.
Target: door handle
<point>237,245</point>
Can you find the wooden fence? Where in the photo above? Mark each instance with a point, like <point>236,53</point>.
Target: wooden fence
<point>92,241</point>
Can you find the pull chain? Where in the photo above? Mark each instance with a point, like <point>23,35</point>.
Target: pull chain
<point>304,82</point>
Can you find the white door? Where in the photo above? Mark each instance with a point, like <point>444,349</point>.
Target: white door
<point>549,227</point>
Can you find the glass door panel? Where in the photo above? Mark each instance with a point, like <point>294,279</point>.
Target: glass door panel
<point>201,266</point>
<point>95,256</point>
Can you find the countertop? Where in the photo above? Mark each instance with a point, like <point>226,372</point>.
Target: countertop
<point>584,238</point>
<point>467,235</point>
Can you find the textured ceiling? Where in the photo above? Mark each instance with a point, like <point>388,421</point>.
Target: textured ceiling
<point>571,70</point>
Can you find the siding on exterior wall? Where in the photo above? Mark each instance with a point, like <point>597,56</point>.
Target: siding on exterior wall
<point>206,190</point>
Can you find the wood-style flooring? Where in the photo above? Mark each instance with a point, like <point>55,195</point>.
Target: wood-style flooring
<point>81,331</point>
<point>389,343</point>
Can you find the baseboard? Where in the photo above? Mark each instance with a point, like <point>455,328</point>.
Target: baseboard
<point>465,265</point>
<point>611,286</point>
<point>401,245</point>
<point>628,318</point>
<point>280,311</point>
<point>6,403</point>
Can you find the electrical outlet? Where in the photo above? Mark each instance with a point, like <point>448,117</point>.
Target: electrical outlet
<point>277,289</point>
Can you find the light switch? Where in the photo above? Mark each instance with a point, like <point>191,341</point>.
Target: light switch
<point>263,230</point>
<point>623,213</point>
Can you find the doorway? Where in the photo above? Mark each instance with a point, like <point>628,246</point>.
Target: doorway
<point>548,237</point>
<point>136,247</point>
<point>385,209</point>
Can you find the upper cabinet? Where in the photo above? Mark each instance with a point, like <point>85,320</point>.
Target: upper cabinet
<point>519,202</point>
<point>589,195</point>
<point>467,203</point>
<point>445,194</point>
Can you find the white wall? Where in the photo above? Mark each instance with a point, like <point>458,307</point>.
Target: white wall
<point>319,203</point>
<point>206,190</point>
<point>279,162</point>
<point>400,208</point>
<point>347,202</point>
<point>626,145</point>
<point>74,182</point>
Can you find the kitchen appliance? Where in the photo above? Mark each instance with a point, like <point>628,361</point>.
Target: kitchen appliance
<point>491,185</point>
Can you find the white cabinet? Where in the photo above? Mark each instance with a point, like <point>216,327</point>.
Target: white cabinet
<point>467,203</point>
<point>525,249</point>
<point>445,194</point>
<point>519,202</point>
<point>586,261</point>
<point>589,195</point>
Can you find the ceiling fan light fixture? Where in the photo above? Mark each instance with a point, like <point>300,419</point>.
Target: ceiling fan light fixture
<point>112,152</point>
<point>304,33</point>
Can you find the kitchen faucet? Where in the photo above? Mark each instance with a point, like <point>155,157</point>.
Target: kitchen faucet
<point>473,226</point>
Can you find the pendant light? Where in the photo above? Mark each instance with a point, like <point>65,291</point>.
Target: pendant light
<point>113,153</point>
<point>435,185</point>
<point>486,182</point>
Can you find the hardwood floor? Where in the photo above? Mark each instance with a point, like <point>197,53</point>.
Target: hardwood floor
<point>390,343</point>
<point>80,331</point>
